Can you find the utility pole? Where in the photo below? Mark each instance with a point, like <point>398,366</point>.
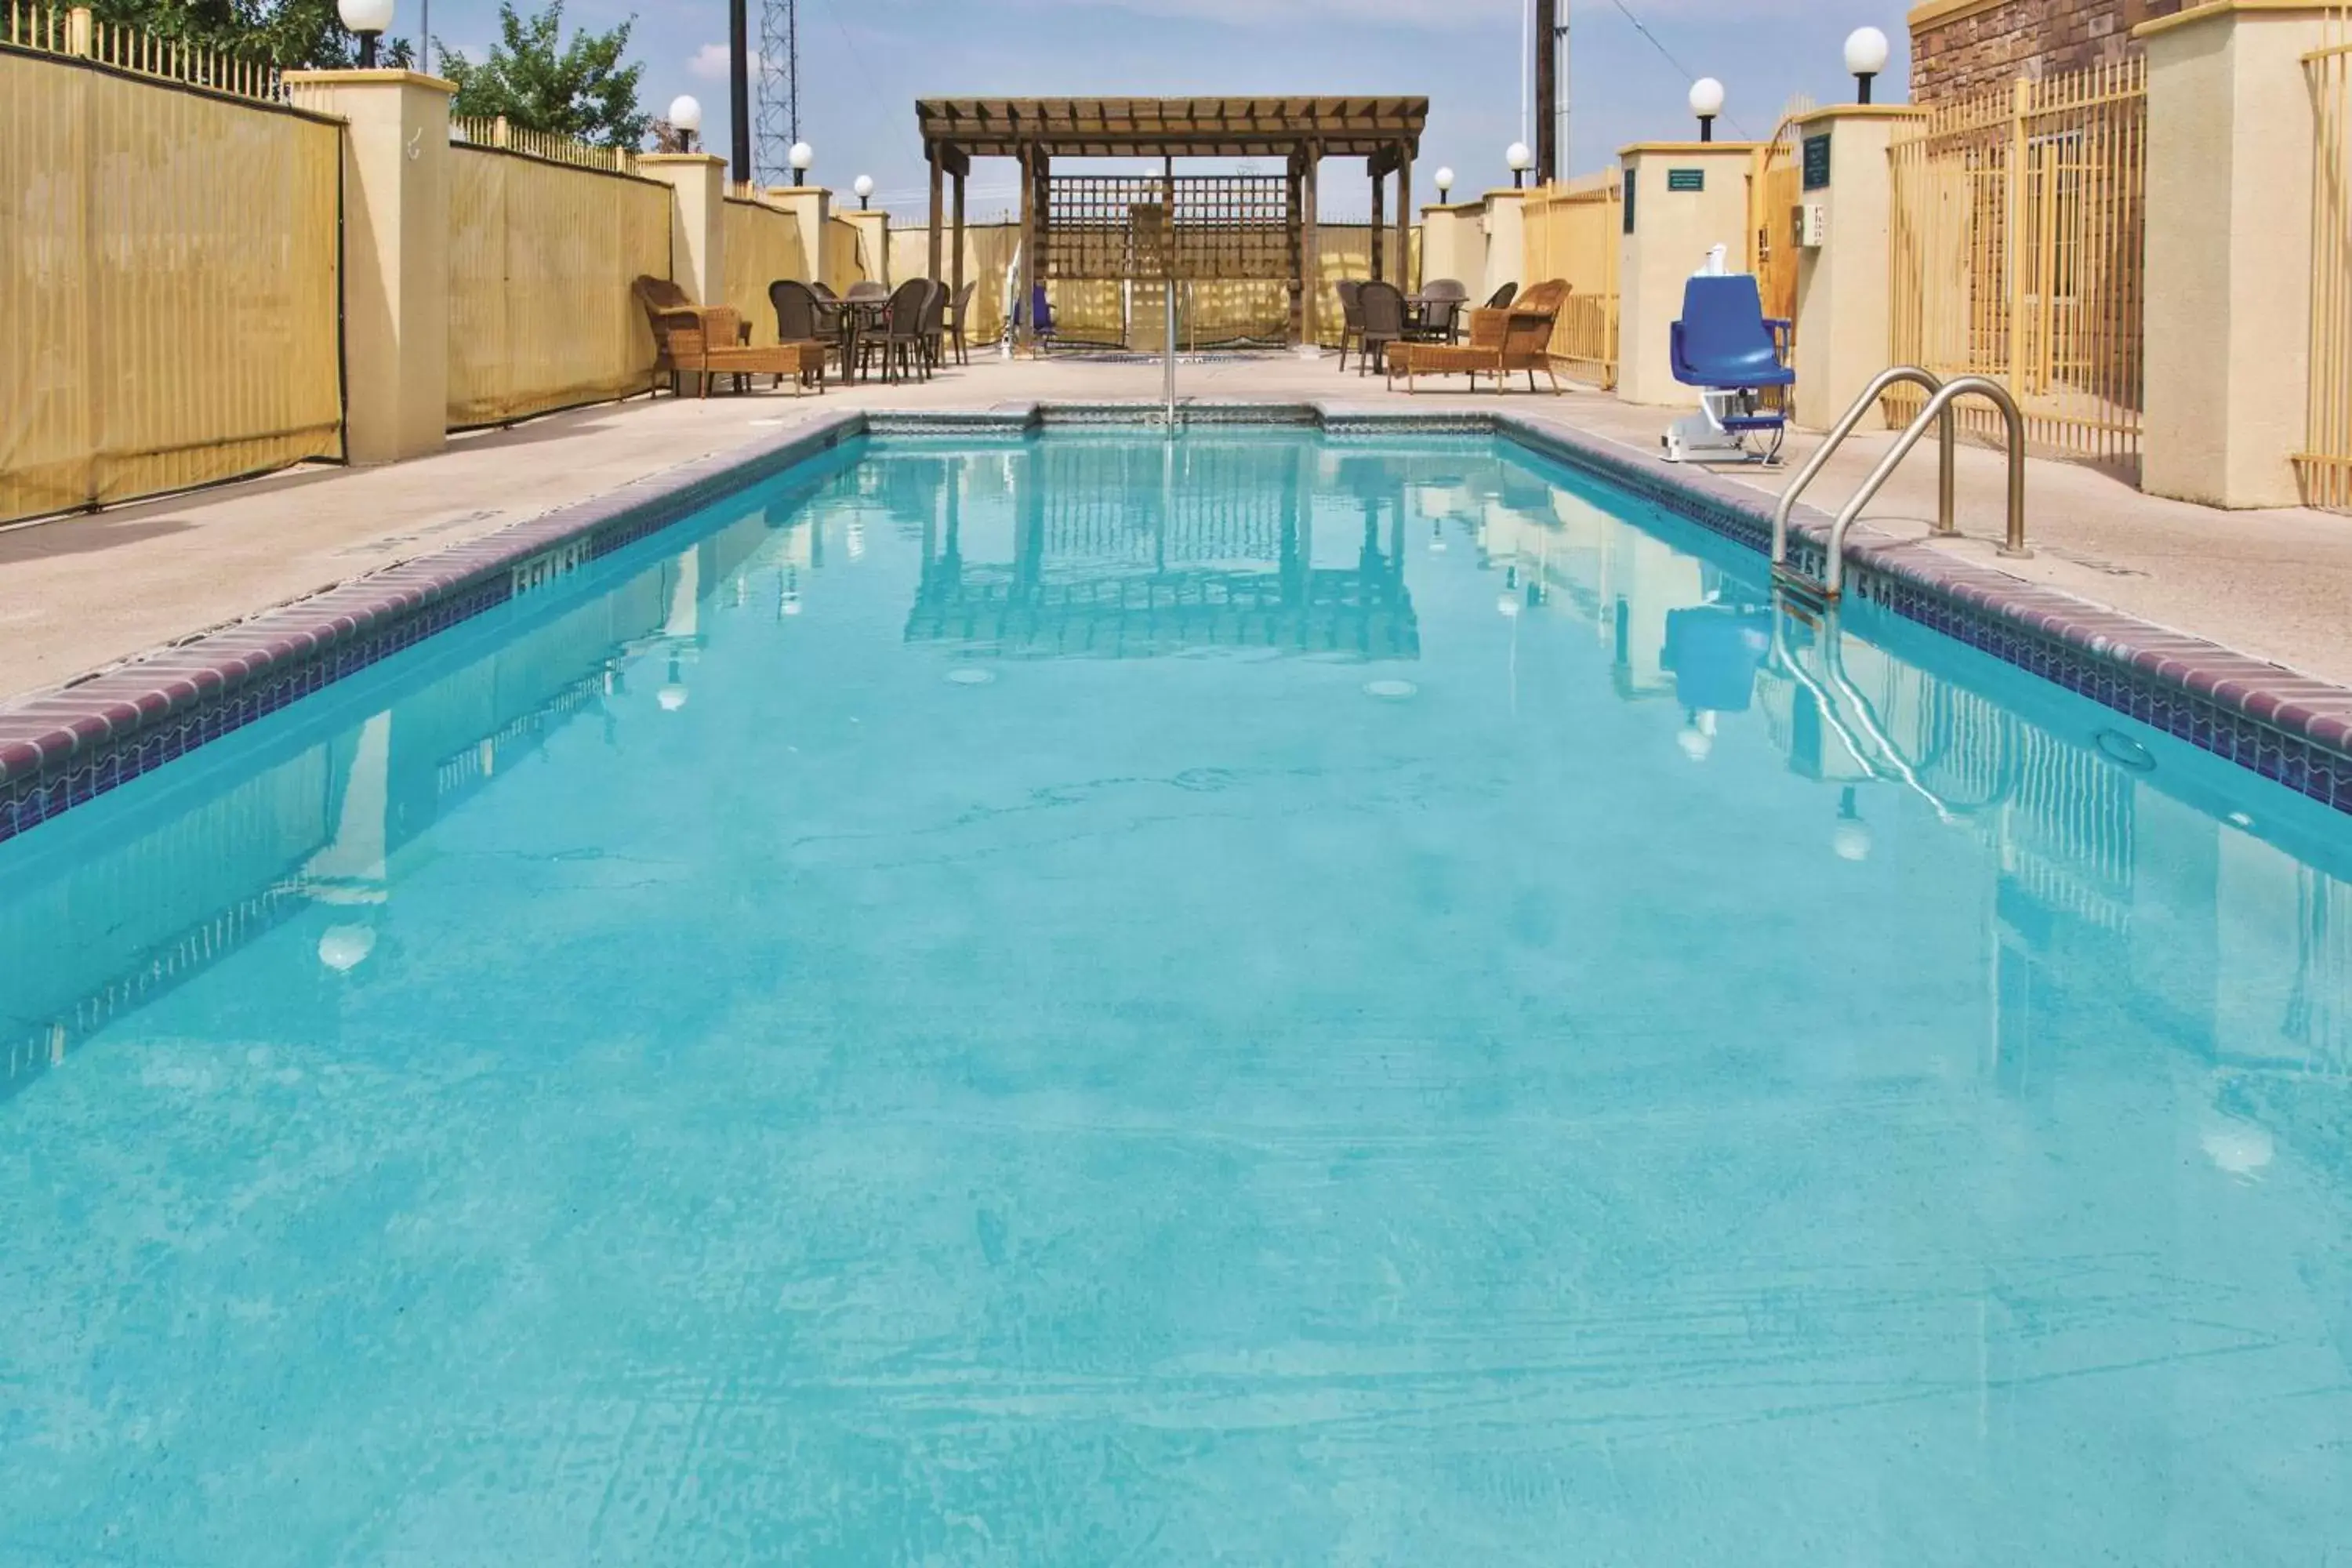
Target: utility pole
<point>1546,110</point>
<point>1564,83</point>
<point>739,87</point>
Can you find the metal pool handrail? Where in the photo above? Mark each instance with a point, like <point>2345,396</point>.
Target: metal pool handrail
<point>1939,408</point>
<point>1886,379</point>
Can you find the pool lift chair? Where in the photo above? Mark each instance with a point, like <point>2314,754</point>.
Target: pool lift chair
<point>1726,347</point>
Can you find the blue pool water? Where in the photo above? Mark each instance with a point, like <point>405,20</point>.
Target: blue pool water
<point>1262,1001</point>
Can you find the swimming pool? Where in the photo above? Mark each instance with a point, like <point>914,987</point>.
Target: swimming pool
<point>1269,998</point>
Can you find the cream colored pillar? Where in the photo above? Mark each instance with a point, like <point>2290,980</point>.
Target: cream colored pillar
<point>811,205</point>
<point>1682,199</point>
<point>395,255</point>
<point>697,220</point>
<point>2229,252</point>
<point>1844,322</point>
<point>1506,243</point>
<point>874,242</point>
<point>1454,244</point>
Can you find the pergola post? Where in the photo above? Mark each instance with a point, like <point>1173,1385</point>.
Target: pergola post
<point>1404,219</point>
<point>1380,226</point>
<point>957,264</point>
<point>938,171</point>
<point>1024,303</point>
<point>1295,240</point>
<point>1310,247</point>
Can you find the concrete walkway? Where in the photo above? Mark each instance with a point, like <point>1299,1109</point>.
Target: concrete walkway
<point>82,594</point>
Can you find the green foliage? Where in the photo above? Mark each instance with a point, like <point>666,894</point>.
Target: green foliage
<point>290,33</point>
<point>581,90</point>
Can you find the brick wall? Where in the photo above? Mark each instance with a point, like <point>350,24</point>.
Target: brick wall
<point>1971,49</point>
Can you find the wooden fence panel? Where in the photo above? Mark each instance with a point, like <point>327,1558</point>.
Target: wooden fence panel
<point>2324,464</point>
<point>541,255</point>
<point>2019,228</point>
<point>171,283</point>
<point>763,244</point>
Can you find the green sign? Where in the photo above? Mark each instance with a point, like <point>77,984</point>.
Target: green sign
<point>1629,199</point>
<point>1686,179</point>
<point>1817,162</point>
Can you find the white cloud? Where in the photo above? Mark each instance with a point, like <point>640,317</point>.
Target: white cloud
<point>709,63</point>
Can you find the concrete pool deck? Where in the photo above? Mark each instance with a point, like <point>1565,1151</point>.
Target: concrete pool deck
<point>83,593</point>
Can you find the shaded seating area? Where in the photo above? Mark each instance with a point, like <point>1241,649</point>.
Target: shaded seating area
<point>1517,337</point>
<point>710,340</point>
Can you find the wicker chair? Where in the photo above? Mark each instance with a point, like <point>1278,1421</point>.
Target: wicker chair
<point>1441,312</point>
<point>803,318</point>
<point>1379,309</point>
<point>1351,318</point>
<point>1503,297</point>
<point>867,288</point>
<point>1501,340</point>
<point>685,332</point>
<point>958,314</point>
<point>935,326</point>
<point>900,341</point>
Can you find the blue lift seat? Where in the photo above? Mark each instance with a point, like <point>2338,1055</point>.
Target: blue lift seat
<point>1725,346</point>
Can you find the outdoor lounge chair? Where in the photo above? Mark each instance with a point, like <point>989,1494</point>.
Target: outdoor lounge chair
<point>1726,347</point>
<point>1501,340</point>
<point>683,331</point>
<point>1379,306</point>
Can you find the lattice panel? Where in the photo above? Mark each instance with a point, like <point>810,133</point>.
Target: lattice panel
<point>1116,227</point>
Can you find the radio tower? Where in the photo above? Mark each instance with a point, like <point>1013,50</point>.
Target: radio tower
<point>780,89</point>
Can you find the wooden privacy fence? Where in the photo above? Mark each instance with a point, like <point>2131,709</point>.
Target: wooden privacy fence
<point>2326,463</point>
<point>170,280</point>
<point>541,255</point>
<point>2019,218</point>
<point>763,244</point>
<point>1574,234</point>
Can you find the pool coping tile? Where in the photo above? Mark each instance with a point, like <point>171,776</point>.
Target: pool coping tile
<point>62,746</point>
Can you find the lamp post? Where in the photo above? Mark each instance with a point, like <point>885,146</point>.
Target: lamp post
<point>1518,156</point>
<point>802,156</point>
<point>863,186</point>
<point>1706,102</point>
<point>1866,51</point>
<point>368,18</point>
<point>1444,183</point>
<point>685,119</point>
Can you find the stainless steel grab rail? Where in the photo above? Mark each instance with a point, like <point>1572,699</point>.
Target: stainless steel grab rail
<point>1878,388</point>
<point>1939,408</point>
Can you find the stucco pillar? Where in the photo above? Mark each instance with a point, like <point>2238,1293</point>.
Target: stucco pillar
<point>874,242</point>
<point>1506,243</point>
<point>395,255</point>
<point>810,206</point>
<point>1454,244</point>
<point>1682,199</point>
<point>697,216</point>
<point>1845,302</point>
<point>2228,306</point>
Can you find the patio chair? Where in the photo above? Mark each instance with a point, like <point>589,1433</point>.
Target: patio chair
<point>900,341</point>
<point>935,326</point>
<point>867,288</point>
<point>1380,306</point>
<point>1501,340</point>
<point>1726,347</point>
<point>1503,297</point>
<point>960,312</point>
<point>1443,300</point>
<point>803,318</point>
<point>1351,317</point>
<point>685,333</point>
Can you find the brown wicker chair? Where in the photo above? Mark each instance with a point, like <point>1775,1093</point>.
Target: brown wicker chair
<point>1379,306</point>
<point>960,312</point>
<point>1503,297</point>
<point>1351,317</point>
<point>684,332</point>
<point>1443,300</point>
<point>802,318</point>
<point>1501,340</point>
<point>900,341</point>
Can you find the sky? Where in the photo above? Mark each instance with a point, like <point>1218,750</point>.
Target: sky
<point>864,62</point>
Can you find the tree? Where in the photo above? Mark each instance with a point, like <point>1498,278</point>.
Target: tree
<point>582,91</point>
<point>292,35</point>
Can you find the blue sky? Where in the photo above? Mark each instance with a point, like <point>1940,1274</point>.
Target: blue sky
<point>863,63</point>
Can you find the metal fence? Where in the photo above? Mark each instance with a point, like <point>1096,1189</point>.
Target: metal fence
<point>170,281</point>
<point>2018,229</point>
<point>2326,463</point>
<point>545,146</point>
<point>1575,235</point>
<point>75,31</point>
<point>541,255</point>
<point>1774,190</point>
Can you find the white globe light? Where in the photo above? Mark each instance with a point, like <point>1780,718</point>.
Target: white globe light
<point>862,185</point>
<point>1518,156</point>
<point>672,698</point>
<point>686,114</point>
<point>365,15</point>
<point>1866,51</point>
<point>802,155</point>
<point>345,948</point>
<point>1707,98</point>
<point>1444,181</point>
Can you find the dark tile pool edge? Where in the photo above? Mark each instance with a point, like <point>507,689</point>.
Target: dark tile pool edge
<point>64,747</point>
<point>67,745</point>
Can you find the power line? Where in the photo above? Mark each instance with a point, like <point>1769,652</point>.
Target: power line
<point>1687,75</point>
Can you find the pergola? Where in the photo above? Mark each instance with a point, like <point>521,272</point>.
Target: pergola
<point>1222,227</point>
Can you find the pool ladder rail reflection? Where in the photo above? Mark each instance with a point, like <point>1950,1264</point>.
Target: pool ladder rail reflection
<point>1941,396</point>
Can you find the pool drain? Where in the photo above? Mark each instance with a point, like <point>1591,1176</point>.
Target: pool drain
<point>2123,752</point>
<point>1391,690</point>
<point>967,676</point>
